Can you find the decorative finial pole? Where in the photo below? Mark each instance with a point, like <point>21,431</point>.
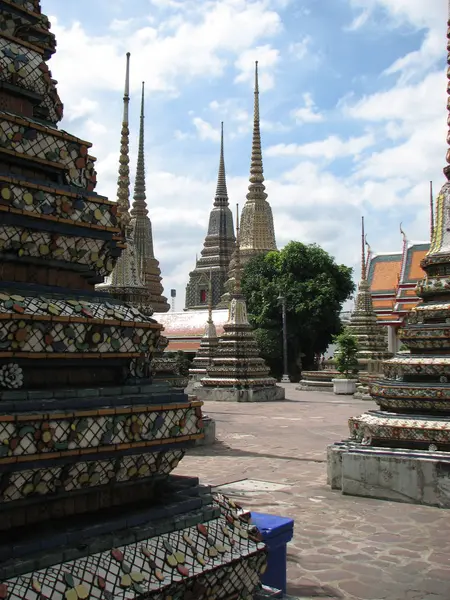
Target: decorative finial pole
<point>237,259</point>
<point>139,197</point>
<point>123,182</point>
<point>363,251</point>
<point>431,209</point>
<point>447,168</point>
<point>256,187</point>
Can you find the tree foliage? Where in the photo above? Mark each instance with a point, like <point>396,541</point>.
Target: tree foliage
<point>346,353</point>
<point>315,288</point>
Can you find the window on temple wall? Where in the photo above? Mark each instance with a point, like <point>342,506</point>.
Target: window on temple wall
<point>203,296</point>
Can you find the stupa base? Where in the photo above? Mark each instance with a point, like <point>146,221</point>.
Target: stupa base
<point>412,476</point>
<point>192,545</point>
<point>232,394</point>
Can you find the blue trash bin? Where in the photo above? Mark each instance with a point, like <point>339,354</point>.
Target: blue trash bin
<point>276,532</point>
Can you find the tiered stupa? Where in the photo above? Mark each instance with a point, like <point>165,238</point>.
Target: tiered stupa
<point>364,326</point>
<point>217,249</point>
<point>88,508</point>
<point>208,344</point>
<point>257,230</point>
<point>125,282</point>
<point>402,451</point>
<point>237,373</point>
<point>149,270</point>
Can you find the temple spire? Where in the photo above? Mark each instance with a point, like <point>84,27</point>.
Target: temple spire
<point>447,168</point>
<point>363,251</point>
<point>123,182</point>
<point>221,198</point>
<point>237,257</point>
<point>256,187</point>
<point>139,197</point>
<point>431,209</point>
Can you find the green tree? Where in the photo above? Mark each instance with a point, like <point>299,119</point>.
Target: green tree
<point>315,288</point>
<point>346,353</point>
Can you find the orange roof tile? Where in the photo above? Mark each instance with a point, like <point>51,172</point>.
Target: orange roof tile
<point>415,271</point>
<point>385,275</point>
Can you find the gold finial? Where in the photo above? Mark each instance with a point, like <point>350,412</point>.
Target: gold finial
<point>123,182</point>
<point>431,209</point>
<point>403,233</point>
<point>363,251</point>
<point>237,259</point>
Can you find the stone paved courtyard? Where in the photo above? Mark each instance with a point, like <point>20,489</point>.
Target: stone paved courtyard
<point>273,455</point>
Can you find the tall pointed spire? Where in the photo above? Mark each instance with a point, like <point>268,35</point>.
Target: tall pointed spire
<point>431,208</point>
<point>256,187</point>
<point>237,257</point>
<point>149,270</point>
<point>363,251</point>
<point>221,198</point>
<point>257,230</point>
<point>125,281</point>
<point>139,197</point>
<point>123,181</point>
<point>218,246</point>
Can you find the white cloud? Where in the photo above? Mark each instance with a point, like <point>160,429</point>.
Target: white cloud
<point>205,130</point>
<point>328,149</point>
<point>301,48</point>
<point>84,108</point>
<point>307,113</point>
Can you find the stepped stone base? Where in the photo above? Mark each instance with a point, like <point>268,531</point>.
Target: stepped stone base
<point>411,476</point>
<point>265,394</point>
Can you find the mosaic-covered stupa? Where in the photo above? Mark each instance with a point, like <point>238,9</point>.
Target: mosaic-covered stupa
<point>364,326</point>
<point>402,450</point>
<point>217,248</point>
<point>257,229</point>
<point>237,372</point>
<point>126,282</point>
<point>88,506</point>
<point>208,344</point>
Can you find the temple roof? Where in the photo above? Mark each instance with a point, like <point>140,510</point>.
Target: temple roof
<point>383,272</point>
<point>185,329</point>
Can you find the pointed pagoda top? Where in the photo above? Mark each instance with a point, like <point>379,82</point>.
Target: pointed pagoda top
<point>256,187</point>
<point>139,198</point>
<point>221,198</point>
<point>237,258</point>
<point>123,182</point>
<point>447,158</point>
<point>363,252</point>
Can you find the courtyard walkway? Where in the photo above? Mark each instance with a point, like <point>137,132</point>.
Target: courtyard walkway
<point>272,458</point>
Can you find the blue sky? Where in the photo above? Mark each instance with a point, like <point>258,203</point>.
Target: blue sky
<point>352,107</point>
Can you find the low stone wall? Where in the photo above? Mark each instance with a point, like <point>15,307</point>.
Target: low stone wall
<point>411,476</point>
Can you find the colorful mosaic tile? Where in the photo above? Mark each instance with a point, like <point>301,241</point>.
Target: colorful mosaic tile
<point>54,480</point>
<point>81,210</point>
<point>42,434</point>
<point>34,142</point>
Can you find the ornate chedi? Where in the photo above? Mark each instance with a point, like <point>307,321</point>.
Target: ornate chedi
<point>402,451</point>
<point>125,282</point>
<point>149,270</point>
<point>364,326</point>
<point>257,230</point>
<point>217,249</point>
<point>237,373</point>
<point>88,508</point>
<point>208,344</point>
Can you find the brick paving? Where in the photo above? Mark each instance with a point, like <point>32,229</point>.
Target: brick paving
<point>343,547</point>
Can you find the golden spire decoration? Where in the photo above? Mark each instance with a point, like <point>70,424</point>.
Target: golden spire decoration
<point>123,182</point>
